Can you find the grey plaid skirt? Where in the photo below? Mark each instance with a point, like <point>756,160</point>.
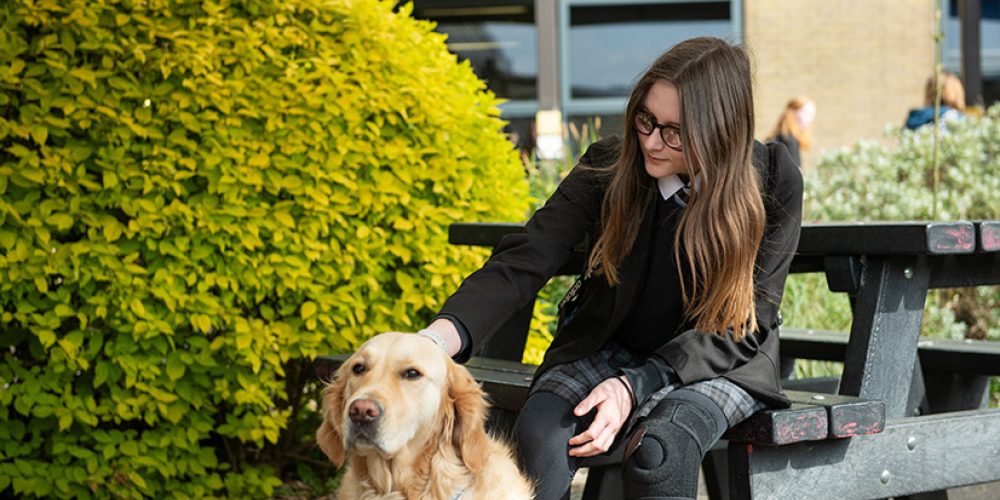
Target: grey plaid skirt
<point>573,381</point>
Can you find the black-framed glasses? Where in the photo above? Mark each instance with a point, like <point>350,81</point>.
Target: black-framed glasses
<point>670,134</point>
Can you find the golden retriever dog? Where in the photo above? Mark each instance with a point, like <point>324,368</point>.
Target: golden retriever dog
<point>409,422</point>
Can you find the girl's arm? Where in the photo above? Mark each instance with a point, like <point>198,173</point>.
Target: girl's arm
<point>522,263</point>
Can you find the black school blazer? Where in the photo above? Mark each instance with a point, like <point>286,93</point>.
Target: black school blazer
<point>522,263</point>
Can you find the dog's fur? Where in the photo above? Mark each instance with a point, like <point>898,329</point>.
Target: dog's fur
<point>427,440</point>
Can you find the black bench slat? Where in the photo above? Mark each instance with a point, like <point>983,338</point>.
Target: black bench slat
<point>798,423</point>
<point>989,236</point>
<point>978,357</point>
<point>848,416</point>
<point>825,385</point>
<point>960,356</point>
<point>502,365</point>
<point>835,247</point>
<point>484,234</point>
<point>890,238</point>
<point>887,238</point>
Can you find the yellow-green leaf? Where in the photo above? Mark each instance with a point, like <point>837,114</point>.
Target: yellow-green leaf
<point>129,448</point>
<point>285,218</point>
<point>137,480</point>
<point>61,221</point>
<point>65,421</point>
<point>136,306</point>
<point>46,337</point>
<point>308,310</point>
<point>112,230</point>
<point>175,367</point>
<point>259,161</point>
<point>100,374</point>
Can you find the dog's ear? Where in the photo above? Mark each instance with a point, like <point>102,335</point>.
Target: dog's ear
<point>469,435</point>
<point>328,435</point>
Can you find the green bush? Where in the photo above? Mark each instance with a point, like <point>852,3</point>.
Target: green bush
<point>198,197</point>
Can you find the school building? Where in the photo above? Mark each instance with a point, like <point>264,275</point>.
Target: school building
<point>864,62</point>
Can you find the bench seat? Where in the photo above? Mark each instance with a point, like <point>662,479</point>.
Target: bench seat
<point>812,416</point>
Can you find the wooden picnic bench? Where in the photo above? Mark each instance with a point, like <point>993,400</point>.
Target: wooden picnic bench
<point>864,441</point>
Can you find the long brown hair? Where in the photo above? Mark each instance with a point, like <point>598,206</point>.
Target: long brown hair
<point>952,91</point>
<point>788,123</point>
<point>721,229</point>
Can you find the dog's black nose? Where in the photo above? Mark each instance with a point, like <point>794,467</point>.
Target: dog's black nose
<point>364,411</point>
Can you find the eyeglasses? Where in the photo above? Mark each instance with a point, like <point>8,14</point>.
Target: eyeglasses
<point>645,123</point>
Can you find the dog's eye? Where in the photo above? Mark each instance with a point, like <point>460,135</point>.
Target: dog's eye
<point>358,369</point>
<point>411,374</point>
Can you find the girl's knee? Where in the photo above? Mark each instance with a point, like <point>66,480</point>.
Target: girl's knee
<point>545,420</point>
<point>666,448</point>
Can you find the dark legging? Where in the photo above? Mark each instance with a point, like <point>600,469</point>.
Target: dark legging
<point>674,438</point>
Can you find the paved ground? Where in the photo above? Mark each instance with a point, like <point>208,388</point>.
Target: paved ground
<point>988,491</point>
<point>576,492</point>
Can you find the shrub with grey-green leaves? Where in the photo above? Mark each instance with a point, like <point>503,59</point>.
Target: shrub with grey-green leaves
<point>893,178</point>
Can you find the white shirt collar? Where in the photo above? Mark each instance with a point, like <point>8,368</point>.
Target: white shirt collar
<point>669,185</point>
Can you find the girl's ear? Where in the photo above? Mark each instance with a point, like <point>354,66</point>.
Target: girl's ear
<point>328,436</point>
<point>469,401</point>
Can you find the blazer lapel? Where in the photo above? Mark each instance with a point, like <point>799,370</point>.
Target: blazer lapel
<point>635,264</point>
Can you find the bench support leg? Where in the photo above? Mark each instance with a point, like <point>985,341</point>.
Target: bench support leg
<point>888,309</point>
<point>715,467</point>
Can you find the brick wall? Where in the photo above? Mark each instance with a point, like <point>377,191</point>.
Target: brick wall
<point>864,62</point>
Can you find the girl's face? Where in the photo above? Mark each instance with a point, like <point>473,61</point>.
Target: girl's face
<point>664,104</point>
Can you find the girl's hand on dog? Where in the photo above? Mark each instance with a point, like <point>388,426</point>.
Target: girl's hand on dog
<point>614,404</point>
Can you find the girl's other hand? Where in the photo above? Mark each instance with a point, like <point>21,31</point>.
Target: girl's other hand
<point>614,404</point>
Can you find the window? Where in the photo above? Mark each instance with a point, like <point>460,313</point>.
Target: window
<point>607,45</point>
<point>989,34</point>
<point>602,46</point>
<point>611,45</point>
<point>497,38</point>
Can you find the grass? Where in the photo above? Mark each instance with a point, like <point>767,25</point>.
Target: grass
<point>808,303</point>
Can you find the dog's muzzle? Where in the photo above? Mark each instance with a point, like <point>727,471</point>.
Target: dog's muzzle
<point>365,415</point>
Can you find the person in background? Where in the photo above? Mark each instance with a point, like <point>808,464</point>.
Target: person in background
<point>952,102</point>
<point>670,336</point>
<point>794,127</point>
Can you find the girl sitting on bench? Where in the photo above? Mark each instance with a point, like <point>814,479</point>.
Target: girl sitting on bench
<point>670,336</point>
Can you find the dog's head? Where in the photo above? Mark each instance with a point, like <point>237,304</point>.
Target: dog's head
<point>401,391</point>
